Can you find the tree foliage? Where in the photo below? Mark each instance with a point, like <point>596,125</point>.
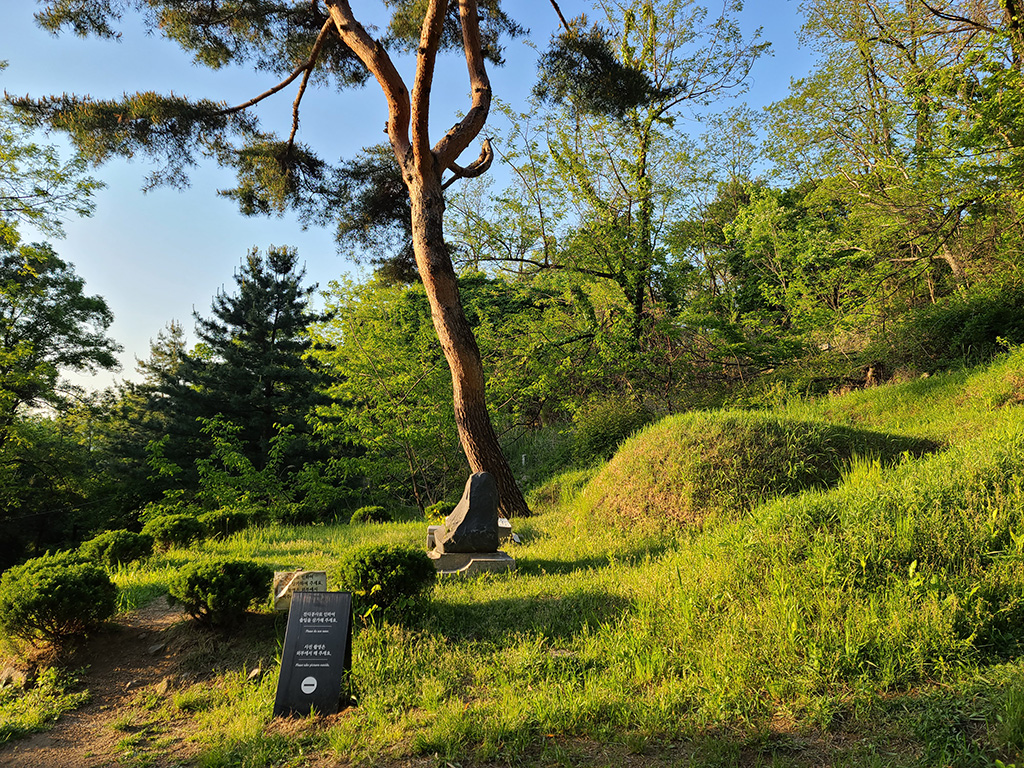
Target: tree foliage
<point>249,366</point>
<point>37,188</point>
<point>322,45</point>
<point>909,116</point>
<point>48,324</point>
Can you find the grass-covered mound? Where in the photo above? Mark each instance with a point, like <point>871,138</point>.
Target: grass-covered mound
<point>686,467</point>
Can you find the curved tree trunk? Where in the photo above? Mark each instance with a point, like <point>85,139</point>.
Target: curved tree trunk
<point>422,166</point>
<point>476,432</point>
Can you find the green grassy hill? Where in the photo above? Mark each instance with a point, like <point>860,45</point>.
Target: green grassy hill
<point>837,582</point>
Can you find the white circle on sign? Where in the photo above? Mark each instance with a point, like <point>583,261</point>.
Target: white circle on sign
<point>308,685</point>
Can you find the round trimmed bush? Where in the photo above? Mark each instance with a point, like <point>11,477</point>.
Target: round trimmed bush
<point>387,577</point>
<point>219,591</point>
<point>175,530</point>
<point>371,515</point>
<point>55,597</point>
<point>221,523</point>
<point>114,548</point>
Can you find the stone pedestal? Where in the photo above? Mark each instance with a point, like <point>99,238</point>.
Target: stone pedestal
<point>467,543</point>
<point>505,533</point>
<point>473,524</point>
<point>471,563</point>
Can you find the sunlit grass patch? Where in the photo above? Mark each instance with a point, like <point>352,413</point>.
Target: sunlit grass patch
<point>874,618</point>
<point>690,467</point>
<point>25,711</point>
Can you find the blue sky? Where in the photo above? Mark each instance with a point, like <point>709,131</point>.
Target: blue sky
<point>157,256</point>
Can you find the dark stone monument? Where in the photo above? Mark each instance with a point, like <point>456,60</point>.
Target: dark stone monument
<point>473,524</point>
<point>317,655</point>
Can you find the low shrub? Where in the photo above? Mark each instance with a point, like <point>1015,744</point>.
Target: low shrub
<point>55,597</point>
<point>371,515</point>
<point>437,513</point>
<point>221,523</point>
<point>176,502</point>
<point>114,548</point>
<point>970,326</point>
<point>219,591</point>
<point>175,530</point>
<point>386,577</point>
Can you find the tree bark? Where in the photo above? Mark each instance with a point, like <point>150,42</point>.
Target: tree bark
<point>476,432</point>
<point>422,167</point>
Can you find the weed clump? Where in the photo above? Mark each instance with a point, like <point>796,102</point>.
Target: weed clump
<point>26,710</point>
<point>386,577</point>
<point>601,429</point>
<point>114,548</point>
<point>688,467</point>
<point>221,523</point>
<point>219,591</point>
<point>55,597</point>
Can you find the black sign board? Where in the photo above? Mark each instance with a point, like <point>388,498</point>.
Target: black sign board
<point>317,654</point>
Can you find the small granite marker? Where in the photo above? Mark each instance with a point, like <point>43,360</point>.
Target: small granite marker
<point>467,543</point>
<point>287,583</point>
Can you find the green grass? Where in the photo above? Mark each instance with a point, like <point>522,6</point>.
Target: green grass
<point>688,467</point>
<point>23,712</point>
<point>872,614</point>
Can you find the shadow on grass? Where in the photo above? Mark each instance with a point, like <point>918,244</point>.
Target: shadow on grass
<point>555,615</point>
<point>202,651</point>
<point>887,447</point>
<point>631,556</point>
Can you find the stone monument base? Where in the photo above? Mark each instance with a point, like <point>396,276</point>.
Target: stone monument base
<point>471,563</point>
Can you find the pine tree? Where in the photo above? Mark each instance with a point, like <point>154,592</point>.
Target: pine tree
<point>315,44</point>
<point>249,364</point>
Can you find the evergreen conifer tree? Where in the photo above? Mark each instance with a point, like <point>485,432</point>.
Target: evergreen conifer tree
<point>249,364</point>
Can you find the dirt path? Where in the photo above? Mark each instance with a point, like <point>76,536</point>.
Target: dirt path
<point>128,655</point>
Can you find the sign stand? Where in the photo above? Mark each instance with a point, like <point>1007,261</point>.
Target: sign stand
<point>317,654</point>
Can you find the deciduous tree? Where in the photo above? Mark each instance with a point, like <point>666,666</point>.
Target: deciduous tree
<point>48,324</point>
<point>914,109</point>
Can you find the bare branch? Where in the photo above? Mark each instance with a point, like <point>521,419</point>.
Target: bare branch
<point>314,54</point>
<point>306,67</point>
<point>477,168</point>
<point>955,17</point>
<point>561,18</point>
<point>430,40</point>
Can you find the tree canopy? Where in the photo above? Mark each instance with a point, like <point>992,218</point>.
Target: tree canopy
<point>319,45</point>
